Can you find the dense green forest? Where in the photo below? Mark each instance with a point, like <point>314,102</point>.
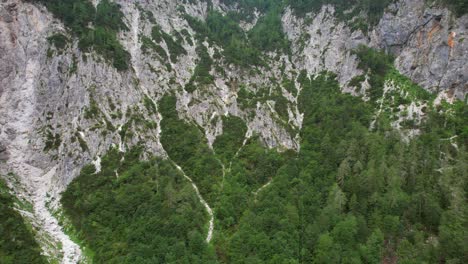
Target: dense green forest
<point>135,211</point>
<point>356,196</point>
<point>17,244</point>
<point>187,146</point>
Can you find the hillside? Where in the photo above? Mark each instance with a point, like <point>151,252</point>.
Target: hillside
<point>235,131</point>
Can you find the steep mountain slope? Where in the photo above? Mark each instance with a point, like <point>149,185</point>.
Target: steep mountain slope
<point>247,104</point>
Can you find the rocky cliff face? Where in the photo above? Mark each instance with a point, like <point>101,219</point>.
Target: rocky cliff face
<point>429,45</point>
<point>63,108</point>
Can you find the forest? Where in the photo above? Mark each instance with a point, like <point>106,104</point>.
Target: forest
<point>350,195</point>
<point>135,211</point>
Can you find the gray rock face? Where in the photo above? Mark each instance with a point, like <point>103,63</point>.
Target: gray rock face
<point>320,42</point>
<point>429,45</point>
<point>23,54</point>
<point>47,94</point>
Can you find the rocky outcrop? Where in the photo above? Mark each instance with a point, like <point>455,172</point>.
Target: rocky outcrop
<point>429,45</point>
<point>321,42</point>
<point>23,49</point>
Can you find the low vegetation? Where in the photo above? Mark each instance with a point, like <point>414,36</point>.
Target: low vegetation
<point>201,75</point>
<point>239,48</point>
<point>459,7</point>
<point>186,145</point>
<point>17,243</point>
<point>377,64</point>
<point>229,143</point>
<point>106,21</point>
<point>175,47</point>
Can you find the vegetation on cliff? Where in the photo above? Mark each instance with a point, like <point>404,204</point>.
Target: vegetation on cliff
<point>135,211</point>
<point>106,20</point>
<point>17,243</point>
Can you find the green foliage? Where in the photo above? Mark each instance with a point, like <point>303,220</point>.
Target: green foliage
<point>249,170</point>
<point>401,94</point>
<point>198,26</point>
<point>149,105</point>
<point>93,111</point>
<point>349,195</point>
<point>268,35</point>
<point>372,250</point>
<point>226,32</point>
<point>378,64</point>
<point>459,7</point>
<point>17,244</point>
<point>223,29</point>
<point>239,48</point>
<point>104,42</point>
<point>357,81</point>
<point>109,16</point>
<point>372,9</point>
<point>75,14</point>
<point>52,141</point>
<point>107,20</point>
<point>227,144</point>
<point>249,99</point>
<point>413,92</point>
<point>244,97</point>
<point>201,74</point>
<point>187,36</point>
<point>74,65</point>
<point>346,182</point>
<point>186,145</point>
<point>301,7</point>
<point>289,86</point>
<point>136,211</point>
<point>148,45</point>
<point>345,10</point>
<point>281,106</point>
<point>175,48</point>
<point>58,40</point>
<point>449,120</point>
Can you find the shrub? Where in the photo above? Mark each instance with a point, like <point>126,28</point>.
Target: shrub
<point>77,15</point>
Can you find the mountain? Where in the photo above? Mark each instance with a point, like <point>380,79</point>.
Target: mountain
<point>222,131</point>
